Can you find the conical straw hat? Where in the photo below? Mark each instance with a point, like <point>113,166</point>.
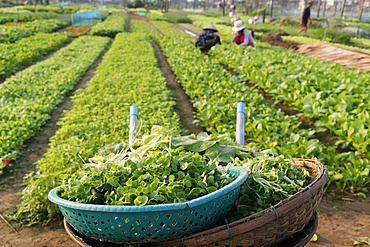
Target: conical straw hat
<point>210,27</point>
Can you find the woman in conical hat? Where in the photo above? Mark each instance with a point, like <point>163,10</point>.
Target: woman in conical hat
<point>210,27</point>
<point>208,38</point>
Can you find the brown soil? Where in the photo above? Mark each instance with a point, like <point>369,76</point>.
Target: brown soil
<point>342,218</point>
<point>275,39</point>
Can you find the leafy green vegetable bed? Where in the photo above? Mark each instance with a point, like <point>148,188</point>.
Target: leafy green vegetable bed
<point>100,116</point>
<point>28,98</point>
<point>18,55</point>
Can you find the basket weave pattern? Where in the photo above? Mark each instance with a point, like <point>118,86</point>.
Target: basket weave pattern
<point>270,226</point>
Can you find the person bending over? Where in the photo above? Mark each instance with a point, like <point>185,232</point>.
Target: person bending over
<point>208,38</point>
<point>242,36</point>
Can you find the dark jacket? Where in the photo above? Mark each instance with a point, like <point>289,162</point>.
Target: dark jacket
<point>206,40</point>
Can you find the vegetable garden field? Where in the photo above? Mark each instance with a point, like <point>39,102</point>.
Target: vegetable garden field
<point>64,97</point>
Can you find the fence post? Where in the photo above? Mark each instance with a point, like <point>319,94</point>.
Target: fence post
<point>240,113</point>
<point>134,114</point>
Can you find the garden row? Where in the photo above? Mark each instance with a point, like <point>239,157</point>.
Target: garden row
<point>12,33</point>
<point>216,92</point>
<point>328,94</point>
<point>100,116</point>
<point>22,53</point>
<point>29,97</point>
<point>18,55</point>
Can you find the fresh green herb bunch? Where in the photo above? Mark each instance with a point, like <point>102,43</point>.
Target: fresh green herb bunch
<point>271,179</point>
<point>161,176</point>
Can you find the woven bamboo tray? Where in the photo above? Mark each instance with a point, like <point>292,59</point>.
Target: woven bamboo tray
<point>270,226</point>
<point>299,239</point>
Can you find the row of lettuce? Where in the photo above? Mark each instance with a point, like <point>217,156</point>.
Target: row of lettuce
<point>100,116</point>
<point>330,95</point>
<point>12,32</point>
<point>28,97</point>
<point>37,39</point>
<point>17,56</point>
<point>217,90</point>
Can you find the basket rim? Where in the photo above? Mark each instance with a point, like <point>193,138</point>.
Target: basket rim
<point>263,217</point>
<point>242,176</point>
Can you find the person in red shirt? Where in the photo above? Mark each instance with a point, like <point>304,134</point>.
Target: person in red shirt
<point>242,35</point>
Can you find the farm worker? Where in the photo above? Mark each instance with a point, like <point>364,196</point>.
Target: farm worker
<point>208,38</point>
<point>242,36</point>
<point>306,17</point>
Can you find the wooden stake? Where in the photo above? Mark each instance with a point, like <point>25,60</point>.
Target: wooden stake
<point>2,217</point>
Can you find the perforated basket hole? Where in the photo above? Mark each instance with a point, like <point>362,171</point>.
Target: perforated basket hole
<point>138,222</point>
<point>150,224</point>
<point>126,220</point>
<point>168,216</point>
<point>174,223</point>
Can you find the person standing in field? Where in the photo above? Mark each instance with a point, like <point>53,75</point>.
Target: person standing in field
<point>306,18</point>
<point>208,38</point>
<point>242,35</point>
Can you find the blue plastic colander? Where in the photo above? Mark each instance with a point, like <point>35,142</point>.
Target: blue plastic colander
<point>151,223</point>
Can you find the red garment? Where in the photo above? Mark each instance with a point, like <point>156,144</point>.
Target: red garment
<point>239,39</point>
